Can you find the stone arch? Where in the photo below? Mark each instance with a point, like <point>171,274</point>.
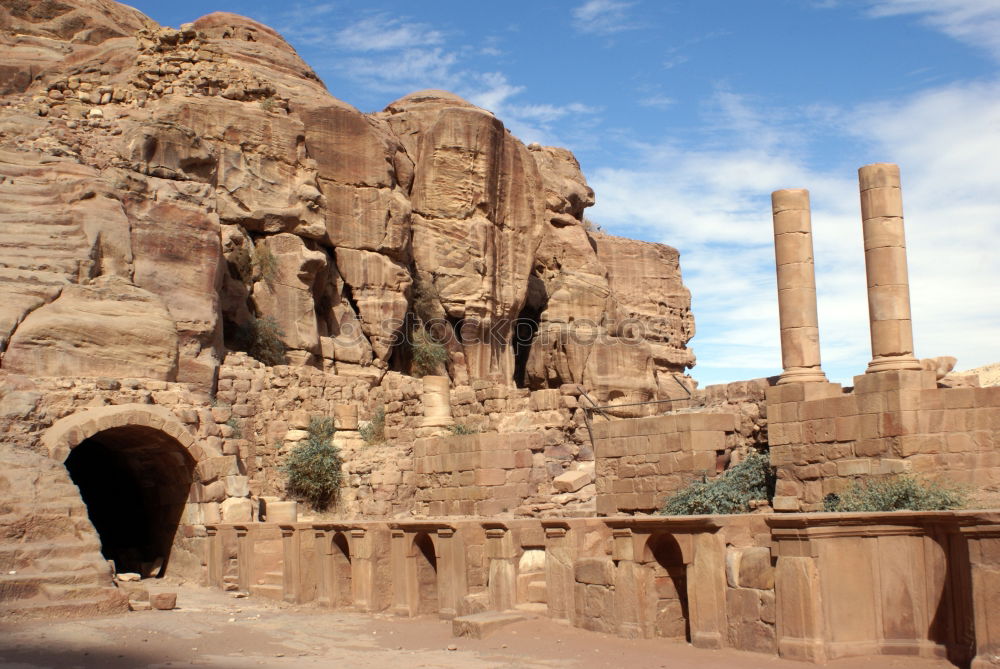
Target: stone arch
<point>69,432</point>
<point>668,558</point>
<point>423,550</point>
<point>134,467</point>
<point>340,551</point>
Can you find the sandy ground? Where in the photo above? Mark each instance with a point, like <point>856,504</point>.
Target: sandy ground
<point>213,629</point>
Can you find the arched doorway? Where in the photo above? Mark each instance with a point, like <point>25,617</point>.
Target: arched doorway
<point>343,594</point>
<point>134,468</point>
<point>670,587</point>
<point>426,565</point>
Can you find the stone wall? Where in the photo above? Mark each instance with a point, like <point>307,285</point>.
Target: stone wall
<point>823,439</point>
<point>271,408</point>
<point>640,461</point>
<point>811,587</point>
<point>747,400</point>
<point>480,474</point>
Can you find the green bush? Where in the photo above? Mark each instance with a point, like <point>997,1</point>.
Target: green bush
<point>459,428</point>
<point>731,492</point>
<point>261,338</point>
<point>428,354</point>
<point>373,432</point>
<point>241,260</point>
<point>313,467</point>
<point>265,262</point>
<point>236,426</point>
<point>904,492</point>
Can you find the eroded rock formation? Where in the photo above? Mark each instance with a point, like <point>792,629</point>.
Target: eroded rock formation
<point>164,190</point>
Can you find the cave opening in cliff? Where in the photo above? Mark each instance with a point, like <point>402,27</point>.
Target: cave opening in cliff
<point>526,326</point>
<point>135,482</point>
<point>522,336</point>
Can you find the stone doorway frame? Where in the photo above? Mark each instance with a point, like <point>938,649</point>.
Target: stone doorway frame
<point>405,586</point>
<point>703,552</point>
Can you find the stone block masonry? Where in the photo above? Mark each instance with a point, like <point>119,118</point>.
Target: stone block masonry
<point>643,460</point>
<point>479,474</point>
<point>822,439</point>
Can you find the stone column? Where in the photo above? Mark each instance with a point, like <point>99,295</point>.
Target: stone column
<point>793,255</point>
<point>436,400</point>
<point>345,419</point>
<point>885,263</point>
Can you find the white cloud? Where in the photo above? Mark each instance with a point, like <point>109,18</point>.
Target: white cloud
<point>975,22</point>
<point>658,101</point>
<point>602,17</point>
<point>529,122</point>
<point>385,33</point>
<point>713,204</point>
<point>405,71</point>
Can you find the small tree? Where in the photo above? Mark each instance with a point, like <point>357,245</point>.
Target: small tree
<point>731,492</point>
<point>313,468</point>
<point>265,262</point>
<point>373,432</point>
<point>904,492</point>
<point>428,353</point>
<point>261,338</point>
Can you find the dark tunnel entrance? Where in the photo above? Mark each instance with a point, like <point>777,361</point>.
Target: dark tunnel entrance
<point>135,482</point>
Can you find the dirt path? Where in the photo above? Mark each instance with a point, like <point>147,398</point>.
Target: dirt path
<point>213,629</point>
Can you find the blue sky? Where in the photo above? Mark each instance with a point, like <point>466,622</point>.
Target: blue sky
<point>685,115</point>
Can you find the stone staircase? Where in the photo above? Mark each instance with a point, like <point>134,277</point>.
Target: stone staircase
<point>44,244</point>
<point>50,556</point>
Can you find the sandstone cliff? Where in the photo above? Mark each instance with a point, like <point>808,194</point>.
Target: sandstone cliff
<point>168,195</point>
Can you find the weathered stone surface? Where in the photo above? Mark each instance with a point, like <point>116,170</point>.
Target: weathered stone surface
<point>481,625</point>
<point>284,292</point>
<point>222,123</point>
<point>478,211</point>
<point>602,301</point>
<point>105,328</point>
<point>237,510</point>
<point>379,287</point>
<point>572,481</point>
<point>57,217</point>
<point>163,601</point>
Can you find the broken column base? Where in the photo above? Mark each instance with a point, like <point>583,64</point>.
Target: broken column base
<point>802,375</point>
<point>887,364</point>
<point>481,625</point>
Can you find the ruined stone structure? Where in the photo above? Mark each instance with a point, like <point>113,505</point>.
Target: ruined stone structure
<point>177,206</point>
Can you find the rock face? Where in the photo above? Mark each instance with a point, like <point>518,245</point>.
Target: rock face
<point>603,304</point>
<point>166,191</point>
